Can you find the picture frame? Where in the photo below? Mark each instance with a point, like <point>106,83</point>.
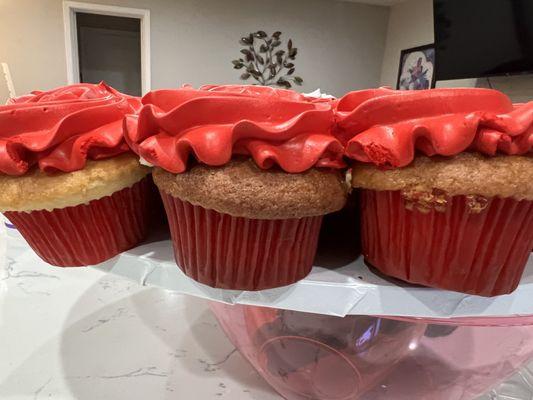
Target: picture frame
<point>417,68</point>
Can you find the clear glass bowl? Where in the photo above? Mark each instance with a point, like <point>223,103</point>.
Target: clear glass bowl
<point>308,356</point>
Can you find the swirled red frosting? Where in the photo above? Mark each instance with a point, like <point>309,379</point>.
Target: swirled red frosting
<point>59,130</point>
<point>389,127</point>
<point>214,123</point>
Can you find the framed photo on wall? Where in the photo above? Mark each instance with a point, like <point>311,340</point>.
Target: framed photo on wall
<point>417,68</point>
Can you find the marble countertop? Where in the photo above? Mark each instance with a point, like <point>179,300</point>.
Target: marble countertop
<point>85,335</point>
<point>82,334</point>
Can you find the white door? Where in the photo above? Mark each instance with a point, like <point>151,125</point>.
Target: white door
<point>108,43</point>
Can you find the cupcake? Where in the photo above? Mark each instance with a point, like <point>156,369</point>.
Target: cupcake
<point>446,179</point>
<point>68,181</point>
<point>246,174</point>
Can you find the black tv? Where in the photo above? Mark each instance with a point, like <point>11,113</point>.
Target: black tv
<point>482,38</point>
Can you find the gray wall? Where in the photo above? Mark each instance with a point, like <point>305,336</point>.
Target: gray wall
<point>193,41</point>
<point>31,42</point>
<point>410,25</point>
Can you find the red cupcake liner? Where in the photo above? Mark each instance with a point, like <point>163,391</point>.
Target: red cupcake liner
<point>228,252</point>
<point>88,233</point>
<point>482,253</point>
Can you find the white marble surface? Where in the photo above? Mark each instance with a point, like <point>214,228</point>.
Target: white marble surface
<point>82,334</point>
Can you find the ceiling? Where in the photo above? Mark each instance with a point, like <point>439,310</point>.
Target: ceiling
<point>378,2</point>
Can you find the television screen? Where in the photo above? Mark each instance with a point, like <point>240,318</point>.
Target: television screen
<point>475,38</point>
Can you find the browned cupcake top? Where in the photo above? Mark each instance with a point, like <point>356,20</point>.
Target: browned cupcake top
<point>464,174</point>
<point>241,189</point>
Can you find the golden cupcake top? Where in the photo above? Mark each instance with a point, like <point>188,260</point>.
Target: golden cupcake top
<point>464,174</point>
<point>37,190</point>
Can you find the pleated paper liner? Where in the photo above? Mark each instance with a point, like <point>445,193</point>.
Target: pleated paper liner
<point>228,252</point>
<point>482,253</point>
<point>88,233</point>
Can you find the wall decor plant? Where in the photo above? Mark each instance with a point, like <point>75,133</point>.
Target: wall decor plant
<point>264,60</point>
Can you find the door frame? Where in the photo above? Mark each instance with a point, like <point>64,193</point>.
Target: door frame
<point>70,8</point>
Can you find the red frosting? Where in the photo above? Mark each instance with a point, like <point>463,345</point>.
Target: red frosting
<point>388,127</point>
<point>213,123</point>
<point>59,129</point>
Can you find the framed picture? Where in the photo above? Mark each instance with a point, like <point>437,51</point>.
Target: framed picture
<point>417,68</point>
